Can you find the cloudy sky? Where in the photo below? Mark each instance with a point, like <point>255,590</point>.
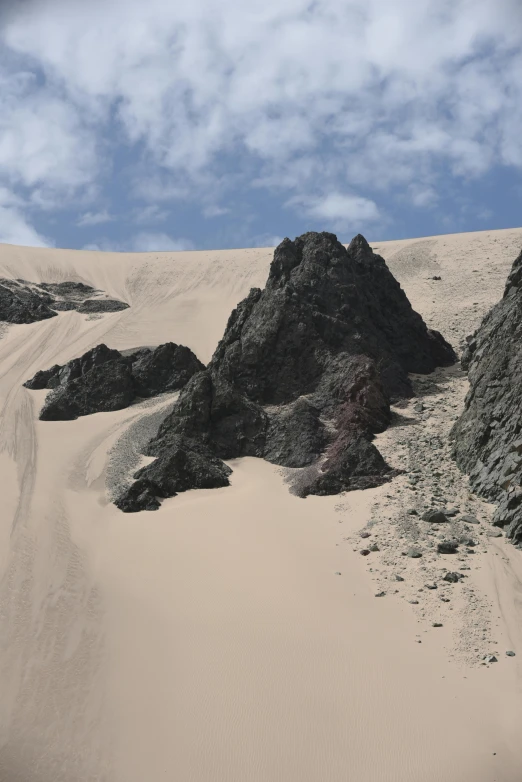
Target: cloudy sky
<point>157,124</point>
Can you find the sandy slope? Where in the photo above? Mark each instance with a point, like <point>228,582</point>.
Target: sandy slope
<point>212,641</point>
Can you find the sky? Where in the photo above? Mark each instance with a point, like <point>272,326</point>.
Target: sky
<point>140,126</point>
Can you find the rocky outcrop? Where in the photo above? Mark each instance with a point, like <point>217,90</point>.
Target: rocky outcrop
<point>90,306</point>
<point>27,302</point>
<point>20,304</point>
<point>103,379</point>
<point>487,438</point>
<point>304,373</point>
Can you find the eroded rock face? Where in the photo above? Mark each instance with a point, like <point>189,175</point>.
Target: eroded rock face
<point>19,304</point>
<point>22,301</point>
<point>488,435</point>
<point>306,370</point>
<point>103,379</point>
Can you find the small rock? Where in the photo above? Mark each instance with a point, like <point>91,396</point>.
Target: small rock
<point>374,547</point>
<point>447,547</point>
<point>414,602</point>
<point>414,553</point>
<point>436,624</point>
<point>510,654</point>
<point>490,658</point>
<point>398,578</point>
<point>445,599</point>
<point>469,519</point>
<point>434,517</point>
<point>436,277</point>
<point>412,512</point>
<point>450,512</point>
<point>380,594</point>
<point>365,534</point>
<point>365,552</point>
<point>452,578</point>
<point>337,573</point>
<point>494,533</point>
<point>430,586</point>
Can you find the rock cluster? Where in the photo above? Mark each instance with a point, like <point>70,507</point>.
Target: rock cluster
<point>303,376</point>
<point>104,379</point>
<point>487,438</point>
<point>26,302</point>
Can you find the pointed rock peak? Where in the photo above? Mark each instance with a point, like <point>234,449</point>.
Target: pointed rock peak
<point>359,246</point>
<point>313,247</point>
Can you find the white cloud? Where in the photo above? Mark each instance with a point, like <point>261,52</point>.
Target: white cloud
<point>359,94</point>
<point>16,229</point>
<point>338,210</point>
<point>149,242</point>
<point>215,211</point>
<point>150,214</point>
<point>94,218</point>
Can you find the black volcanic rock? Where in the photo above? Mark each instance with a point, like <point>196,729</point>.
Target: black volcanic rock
<point>103,388</point>
<point>20,304</point>
<point>306,368</point>
<point>488,435</point>
<point>90,306</point>
<point>27,302</point>
<point>104,379</point>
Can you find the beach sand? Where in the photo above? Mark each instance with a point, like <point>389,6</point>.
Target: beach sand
<point>234,635</point>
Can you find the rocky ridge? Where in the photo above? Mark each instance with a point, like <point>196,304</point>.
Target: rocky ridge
<point>487,438</point>
<point>27,302</point>
<point>303,377</point>
<point>104,379</point>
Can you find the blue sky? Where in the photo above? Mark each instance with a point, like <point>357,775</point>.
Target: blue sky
<point>233,123</point>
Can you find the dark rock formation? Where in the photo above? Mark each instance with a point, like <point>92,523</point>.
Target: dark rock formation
<point>102,305</point>
<point>306,370</point>
<point>104,379</point>
<point>20,304</point>
<point>488,435</point>
<point>27,302</point>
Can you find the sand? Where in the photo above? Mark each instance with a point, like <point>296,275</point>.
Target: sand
<point>234,635</point>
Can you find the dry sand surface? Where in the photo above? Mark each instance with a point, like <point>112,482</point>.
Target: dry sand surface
<point>235,634</point>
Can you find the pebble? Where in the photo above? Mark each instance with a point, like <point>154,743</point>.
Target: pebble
<point>490,658</point>
<point>414,553</point>
<point>436,624</point>
<point>380,594</point>
<point>364,552</point>
<point>365,534</point>
<point>431,586</point>
<point>469,519</point>
<point>374,547</point>
<point>398,578</point>
<point>414,602</point>
<point>337,573</point>
<point>510,654</point>
<point>494,533</point>
<point>451,577</point>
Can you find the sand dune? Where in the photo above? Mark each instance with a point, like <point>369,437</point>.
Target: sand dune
<point>212,641</point>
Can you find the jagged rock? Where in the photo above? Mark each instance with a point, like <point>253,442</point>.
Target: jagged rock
<point>306,368</point>
<point>168,367</point>
<point>20,304</point>
<point>104,379</point>
<point>142,495</point>
<point>487,441</point>
<point>102,305</point>
<point>103,388</point>
<point>27,302</point>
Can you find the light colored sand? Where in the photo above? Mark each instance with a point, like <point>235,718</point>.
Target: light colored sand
<point>212,641</point>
